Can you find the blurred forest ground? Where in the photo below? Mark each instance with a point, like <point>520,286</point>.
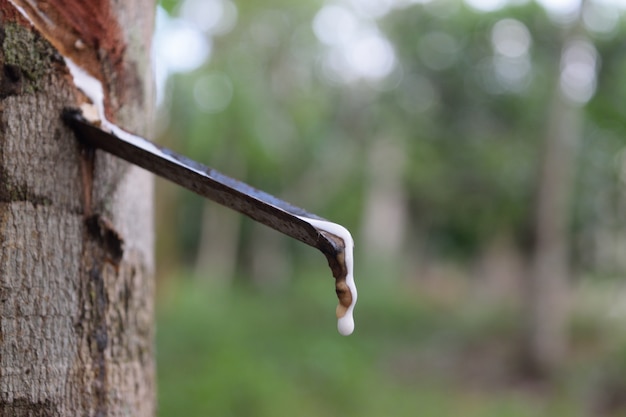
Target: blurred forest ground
<point>475,151</point>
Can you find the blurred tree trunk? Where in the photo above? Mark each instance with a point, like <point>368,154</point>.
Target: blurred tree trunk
<point>76,238</point>
<point>219,244</point>
<point>218,248</point>
<point>549,274</point>
<point>386,213</point>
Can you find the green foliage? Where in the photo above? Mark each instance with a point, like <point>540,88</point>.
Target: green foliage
<point>259,354</point>
<point>168,5</point>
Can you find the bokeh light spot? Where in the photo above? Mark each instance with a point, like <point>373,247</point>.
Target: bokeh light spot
<point>510,38</point>
<point>578,71</point>
<point>213,92</point>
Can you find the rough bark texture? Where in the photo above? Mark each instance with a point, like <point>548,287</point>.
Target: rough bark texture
<point>76,237</point>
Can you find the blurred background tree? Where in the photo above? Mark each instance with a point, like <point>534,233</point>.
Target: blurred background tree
<point>474,149</point>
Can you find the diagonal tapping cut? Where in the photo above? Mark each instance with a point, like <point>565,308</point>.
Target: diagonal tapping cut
<point>333,240</point>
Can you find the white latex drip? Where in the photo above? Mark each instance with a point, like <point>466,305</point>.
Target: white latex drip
<point>345,324</point>
<point>92,88</point>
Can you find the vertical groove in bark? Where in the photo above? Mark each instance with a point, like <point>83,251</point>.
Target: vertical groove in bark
<point>76,287</point>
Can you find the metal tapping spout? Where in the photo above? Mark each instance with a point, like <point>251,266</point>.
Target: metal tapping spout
<point>333,240</point>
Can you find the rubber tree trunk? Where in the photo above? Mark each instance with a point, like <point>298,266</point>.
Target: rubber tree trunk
<point>76,232</point>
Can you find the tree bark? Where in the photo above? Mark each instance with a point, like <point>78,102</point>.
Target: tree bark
<point>76,232</point>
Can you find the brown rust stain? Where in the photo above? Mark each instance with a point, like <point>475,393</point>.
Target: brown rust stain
<point>335,255</point>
